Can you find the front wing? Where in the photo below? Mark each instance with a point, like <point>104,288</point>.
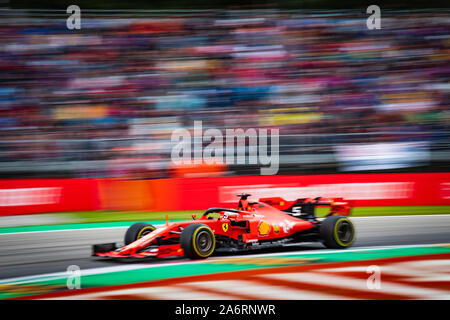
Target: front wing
<point>110,250</point>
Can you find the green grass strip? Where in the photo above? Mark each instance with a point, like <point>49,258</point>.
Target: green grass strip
<point>107,216</point>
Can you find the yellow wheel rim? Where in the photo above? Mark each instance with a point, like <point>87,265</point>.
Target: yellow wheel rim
<point>336,235</point>
<point>148,228</point>
<point>194,243</point>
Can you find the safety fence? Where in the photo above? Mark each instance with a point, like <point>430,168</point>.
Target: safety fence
<point>148,157</point>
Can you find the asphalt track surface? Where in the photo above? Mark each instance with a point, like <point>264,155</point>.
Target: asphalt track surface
<point>33,253</point>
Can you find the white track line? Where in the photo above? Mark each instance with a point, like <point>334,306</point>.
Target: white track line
<point>65,230</point>
<point>60,230</point>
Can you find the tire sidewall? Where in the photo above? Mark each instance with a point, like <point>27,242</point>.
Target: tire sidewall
<point>135,231</point>
<point>188,241</point>
<point>328,232</point>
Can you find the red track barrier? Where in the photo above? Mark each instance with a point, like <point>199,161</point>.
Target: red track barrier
<point>28,196</point>
<point>48,195</point>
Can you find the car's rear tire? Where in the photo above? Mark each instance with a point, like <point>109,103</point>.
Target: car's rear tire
<point>136,231</point>
<point>337,232</point>
<point>198,241</point>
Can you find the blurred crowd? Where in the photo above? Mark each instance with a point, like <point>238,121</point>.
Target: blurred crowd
<point>114,90</point>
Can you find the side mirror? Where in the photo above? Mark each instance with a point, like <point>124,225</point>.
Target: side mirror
<point>194,216</point>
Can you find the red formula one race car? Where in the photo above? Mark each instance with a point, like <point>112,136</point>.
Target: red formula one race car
<point>268,222</point>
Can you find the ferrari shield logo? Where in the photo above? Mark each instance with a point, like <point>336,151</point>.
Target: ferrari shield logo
<point>225,227</point>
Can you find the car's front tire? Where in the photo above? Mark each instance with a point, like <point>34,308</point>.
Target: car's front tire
<point>198,241</point>
<point>137,231</point>
<point>337,232</point>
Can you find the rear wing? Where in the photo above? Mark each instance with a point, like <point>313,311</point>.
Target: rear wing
<point>338,206</point>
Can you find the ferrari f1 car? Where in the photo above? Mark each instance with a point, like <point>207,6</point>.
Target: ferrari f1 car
<point>265,223</point>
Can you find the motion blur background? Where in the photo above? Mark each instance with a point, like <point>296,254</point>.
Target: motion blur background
<point>86,118</point>
<point>103,101</point>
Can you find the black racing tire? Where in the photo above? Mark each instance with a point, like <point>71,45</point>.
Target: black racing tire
<point>337,232</point>
<point>136,231</point>
<point>198,241</point>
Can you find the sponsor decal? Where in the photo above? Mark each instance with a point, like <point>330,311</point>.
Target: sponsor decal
<point>353,191</point>
<point>257,216</point>
<point>445,190</point>
<point>276,229</point>
<point>263,228</point>
<point>287,226</point>
<point>29,196</point>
